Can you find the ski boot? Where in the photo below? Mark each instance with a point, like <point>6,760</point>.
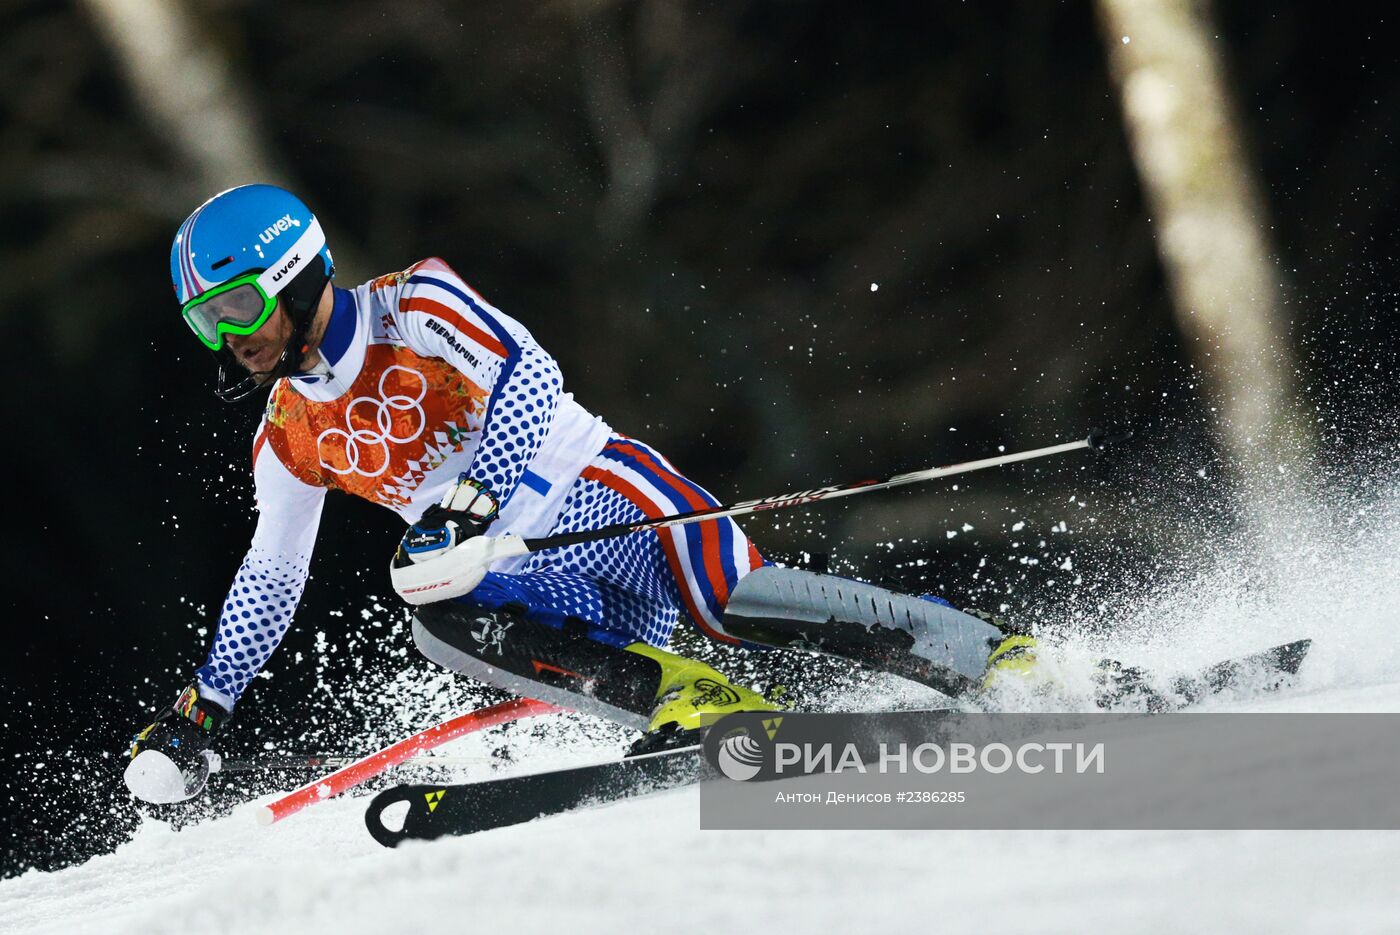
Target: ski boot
<point>664,695</point>
<point>1013,662</point>
<point>691,696</point>
<point>1013,659</point>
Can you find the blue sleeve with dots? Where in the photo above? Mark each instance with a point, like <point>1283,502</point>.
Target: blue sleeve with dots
<point>269,583</point>
<point>518,418</point>
<point>447,318</point>
<point>255,617</point>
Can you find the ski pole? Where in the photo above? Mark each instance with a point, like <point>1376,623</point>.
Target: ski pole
<point>1097,440</point>
<point>347,777</point>
<point>259,764</point>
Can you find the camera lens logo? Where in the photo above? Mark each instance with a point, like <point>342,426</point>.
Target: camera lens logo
<point>740,757</point>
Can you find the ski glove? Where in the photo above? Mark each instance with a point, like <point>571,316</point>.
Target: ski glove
<point>446,554</point>
<point>171,759</point>
<point>464,513</point>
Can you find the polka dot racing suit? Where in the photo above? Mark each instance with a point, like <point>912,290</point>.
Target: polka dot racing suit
<point>422,380</point>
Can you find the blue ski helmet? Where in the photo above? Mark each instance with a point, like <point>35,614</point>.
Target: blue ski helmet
<point>231,261</point>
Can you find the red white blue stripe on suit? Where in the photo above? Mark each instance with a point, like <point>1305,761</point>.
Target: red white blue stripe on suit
<point>706,559</point>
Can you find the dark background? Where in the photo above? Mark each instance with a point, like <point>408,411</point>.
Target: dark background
<point>705,282</point>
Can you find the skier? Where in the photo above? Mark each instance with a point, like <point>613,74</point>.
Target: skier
<point>414,392</point>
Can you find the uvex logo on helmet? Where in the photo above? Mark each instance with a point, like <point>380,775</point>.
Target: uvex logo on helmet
<point>286,267</point>
<point>273,231</point>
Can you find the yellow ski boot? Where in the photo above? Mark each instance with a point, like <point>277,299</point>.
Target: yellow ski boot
<point>1013,661</point>
<point>690,697</point>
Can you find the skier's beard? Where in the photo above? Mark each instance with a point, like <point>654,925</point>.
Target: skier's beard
<point>265,377</point>
<point>266,364</point>
<point>264,352</point>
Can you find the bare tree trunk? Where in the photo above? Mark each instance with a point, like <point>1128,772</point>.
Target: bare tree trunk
<point>1209,217</point>
<point>185,84</point>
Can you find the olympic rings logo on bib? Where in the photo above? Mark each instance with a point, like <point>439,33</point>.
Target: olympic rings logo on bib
<point>395,416</point>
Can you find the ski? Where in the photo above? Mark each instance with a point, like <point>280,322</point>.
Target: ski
<point>1264,671</point>
<point>1269,667</point>
<point>435,811</point>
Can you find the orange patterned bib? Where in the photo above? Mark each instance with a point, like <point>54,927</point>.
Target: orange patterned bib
<point>404,416</point>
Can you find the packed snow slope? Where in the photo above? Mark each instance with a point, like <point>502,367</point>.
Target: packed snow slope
<point>644,865</point>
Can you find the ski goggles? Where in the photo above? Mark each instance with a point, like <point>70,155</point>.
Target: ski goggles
<point>245,303</point>
<point>240,306</point>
